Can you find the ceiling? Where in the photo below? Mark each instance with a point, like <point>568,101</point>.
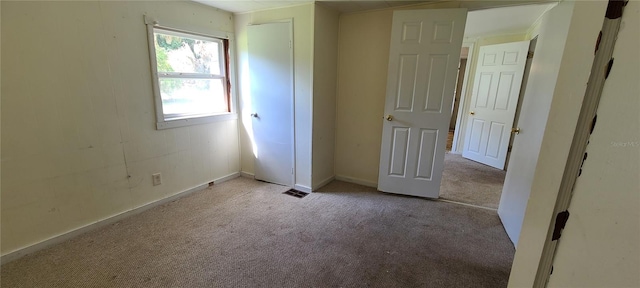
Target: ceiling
<point>357,5</point>
<point>242,6</point>
<point>507,20</point>
<point>513,16</point>
<point>346,6</point>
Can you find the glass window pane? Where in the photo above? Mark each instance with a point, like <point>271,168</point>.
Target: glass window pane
<point>183,97</point>
<point>186,55</point>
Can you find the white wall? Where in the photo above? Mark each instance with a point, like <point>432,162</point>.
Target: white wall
<point>325,59</point>
<point>303,19</point>
<point>565,106</point>
<point>536,104</point>
<point>600,243</point>
<point>362,81</point>
<point>79,142</point>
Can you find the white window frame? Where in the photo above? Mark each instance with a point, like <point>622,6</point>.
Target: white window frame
<point>187,120</point>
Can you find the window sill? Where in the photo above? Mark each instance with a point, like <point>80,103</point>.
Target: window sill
<point>195,121</point>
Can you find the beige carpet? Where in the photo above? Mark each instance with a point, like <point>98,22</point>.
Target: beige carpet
<point>245,233</point>
<point>470,182</point>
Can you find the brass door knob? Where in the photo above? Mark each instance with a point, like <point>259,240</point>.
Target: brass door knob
<point>389,118</point>
<point>472,113</point>
<point>515,130</point>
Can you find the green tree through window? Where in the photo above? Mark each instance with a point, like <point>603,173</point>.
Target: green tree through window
<point>191,76</point>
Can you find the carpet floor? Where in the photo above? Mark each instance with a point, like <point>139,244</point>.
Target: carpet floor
<point>470,182</point>
<point>245,233</point>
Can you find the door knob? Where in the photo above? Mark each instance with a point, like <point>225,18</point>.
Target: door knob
<point>254,115</point>
<point>515,130</point>
<point>472,113</point>
<point>389,118</point>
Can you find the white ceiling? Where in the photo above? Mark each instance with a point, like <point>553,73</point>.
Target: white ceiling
<point>241,6</point>
<point>345,6</point>
<point>480,21</point>
<point>358,5</point>
<point>507,20</point>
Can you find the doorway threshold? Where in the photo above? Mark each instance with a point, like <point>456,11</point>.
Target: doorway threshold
<point>465,204</point>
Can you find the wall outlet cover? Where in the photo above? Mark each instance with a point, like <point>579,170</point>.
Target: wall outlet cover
<point>157,179</point>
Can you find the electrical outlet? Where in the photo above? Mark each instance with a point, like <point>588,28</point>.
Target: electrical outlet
<point>157,179</point>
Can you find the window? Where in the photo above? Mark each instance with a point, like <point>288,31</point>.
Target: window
<point>192,82</point>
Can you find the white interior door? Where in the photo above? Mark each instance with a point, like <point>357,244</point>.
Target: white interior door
<point>423,62</point>
<point>271,81</point>
<point>539,94</point>
<point>496,89</point>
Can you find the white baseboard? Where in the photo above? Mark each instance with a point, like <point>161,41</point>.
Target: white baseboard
<point>21,252</point>
<point>302,188</point>
<point>247,175</point>
<point>357,181</point>
<point>323,183</point>
<point>227,178</point>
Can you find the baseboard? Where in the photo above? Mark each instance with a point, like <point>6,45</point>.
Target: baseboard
<point>357,181</point>
<point>227,178</point>
<point>247,175</point>
<point>302,188</point>
<point>323,183</point>
<point>17,254</point>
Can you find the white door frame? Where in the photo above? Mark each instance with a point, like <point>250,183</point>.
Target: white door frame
<point>293,101</point>
<point>462,105</point>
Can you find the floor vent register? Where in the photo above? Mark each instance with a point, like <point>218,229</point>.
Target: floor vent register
<point>296,193</point>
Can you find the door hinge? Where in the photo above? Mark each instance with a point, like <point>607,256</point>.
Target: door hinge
<point>530,55</point>
<point>290,44</point>
<point>609,66</point>
<point>561,220</point>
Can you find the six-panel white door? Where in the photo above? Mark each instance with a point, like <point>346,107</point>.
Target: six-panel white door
<point>423,62</point>
<point>496,90</point>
